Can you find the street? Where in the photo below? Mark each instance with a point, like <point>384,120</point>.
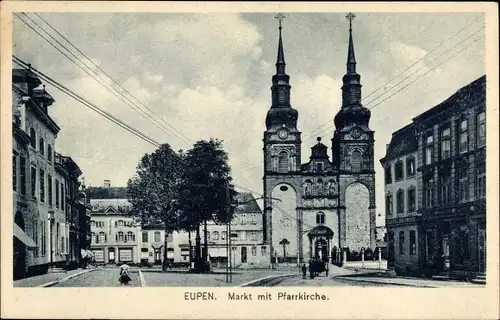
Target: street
<point>99,278</point>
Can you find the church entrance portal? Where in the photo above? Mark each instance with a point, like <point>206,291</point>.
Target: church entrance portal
<point>320,239</point>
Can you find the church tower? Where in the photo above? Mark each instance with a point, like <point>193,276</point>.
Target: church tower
<point>353,153</point>
<point>282,163</point>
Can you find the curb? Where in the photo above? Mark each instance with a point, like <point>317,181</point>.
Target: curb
<point>52,283</point>
<point>142,280</point>
<point>261,281</point>
<point>384,282</point>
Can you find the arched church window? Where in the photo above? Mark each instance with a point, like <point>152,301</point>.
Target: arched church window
<point>356,161</point>
<point>283,162</point>
<point>320,218</point>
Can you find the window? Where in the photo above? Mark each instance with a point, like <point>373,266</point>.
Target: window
<point>481,129</point>
<point>429,192</point>
<point>49,181</point>
<point>253,235</point>
<point>388,176</point>
<point>57,193</point>
<point>130,236</point>
<point>35,238</point>
<point>253,219</point>
<point>388,205</point>
<point>94,238</point>
<point>463,185</point>
<point>49,153</point>
<point>411,199</point>
<point>23,175</point>
<point>243,235</point>
<point>43,241</point>
<point>42,147</point>
<point>400,201</point>
<point>413,242</point>
<point>157,236</point>
<point>145,236</point>
<point>119,236</point>
<point>254,251</point>
<point>33,182</point>
<point>356,161</point>
<point>444,187</point>
<point>445,143</point>
<point>263,251</point>
<point>429,149</point>
<point>223,235</point>
<point>401,242</point>
<point>320,218</point>
<point>14,172</point>
<point>42,185</point>
<point>102,237</point>
<point>463,136</point>
<point>481,181</point>
<point>33,138</point>
<point>243,219</point>
<point>319,166</point>
<point>398,171</point>
<point>283,162</point>
<point>62,195</point>
<point>216,235</point>
<point>410,167</point>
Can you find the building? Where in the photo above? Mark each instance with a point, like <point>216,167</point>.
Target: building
<point>452,174</point>
<point>114,233</point>
<point>248,248</point>
<point>401,208</point>
<point>40,184</point>
<point>326,205</point>
<point>444,231</point>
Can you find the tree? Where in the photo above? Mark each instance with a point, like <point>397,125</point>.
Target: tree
<point>284,242</point>
<point>153,191</point>
<point>201,190</point>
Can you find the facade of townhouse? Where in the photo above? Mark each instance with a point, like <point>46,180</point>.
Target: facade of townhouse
<point>40,232</point>
<point>444,232</point>
<point>401,189</point>
<point>452,172</point>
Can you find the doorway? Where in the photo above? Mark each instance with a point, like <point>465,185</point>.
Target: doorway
<point>321,250</point>
<point>111,255</point>
<point>446,253</point>
<point>19,250</point>
<point>243,254</point>
<point>481,250</point>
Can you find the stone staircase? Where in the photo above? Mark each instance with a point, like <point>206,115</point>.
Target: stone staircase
<point>443,276</point>
<point>479,279</point>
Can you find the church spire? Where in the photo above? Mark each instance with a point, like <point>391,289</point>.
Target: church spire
<point>281,112</point>
<point>351,59</point>
<point>352,110</point>
<point>280,61</point>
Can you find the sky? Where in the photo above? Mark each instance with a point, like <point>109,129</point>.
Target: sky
<point>209,75</point>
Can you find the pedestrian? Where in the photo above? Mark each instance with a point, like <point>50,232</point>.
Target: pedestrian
<point>124,276</point>
<point>304,271</point>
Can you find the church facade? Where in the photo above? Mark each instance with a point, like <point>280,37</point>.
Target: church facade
<point>319,208</point>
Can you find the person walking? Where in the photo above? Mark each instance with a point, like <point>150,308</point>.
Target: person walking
<point>124,276</point>
<point>304,271</point>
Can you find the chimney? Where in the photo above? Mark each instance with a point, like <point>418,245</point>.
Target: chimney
<point>107,184</point>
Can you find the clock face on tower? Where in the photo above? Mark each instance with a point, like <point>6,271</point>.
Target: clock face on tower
<point>282,134</point>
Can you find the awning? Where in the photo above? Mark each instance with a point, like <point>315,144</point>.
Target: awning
<point>86,253</point>
<point>21,235</point>
<point>217,252</point>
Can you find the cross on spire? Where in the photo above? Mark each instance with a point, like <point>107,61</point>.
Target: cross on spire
<point>350,16</point>
<point>280,17</point>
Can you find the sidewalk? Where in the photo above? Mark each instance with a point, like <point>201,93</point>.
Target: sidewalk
<point>410,282</point>
<point>40,280</point>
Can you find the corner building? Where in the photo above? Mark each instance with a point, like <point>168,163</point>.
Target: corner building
<point>322,207</point>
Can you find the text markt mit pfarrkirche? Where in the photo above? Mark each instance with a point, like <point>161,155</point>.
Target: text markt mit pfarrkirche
<point>301,296</point>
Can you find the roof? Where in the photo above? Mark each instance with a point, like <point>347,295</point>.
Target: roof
<point>21,75</point>
<point>106,193</point>
<point>112,205</point>
<point>471,87</point>
<point>247,203</point>
<point>403,142</point>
